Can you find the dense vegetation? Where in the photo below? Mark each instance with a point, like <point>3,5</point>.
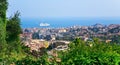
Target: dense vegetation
<point>12,51</point>
<point>10,44</point>
<point>3,8</point>
<point>92,52</point>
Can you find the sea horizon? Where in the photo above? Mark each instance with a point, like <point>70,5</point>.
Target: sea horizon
<point>66,22</point>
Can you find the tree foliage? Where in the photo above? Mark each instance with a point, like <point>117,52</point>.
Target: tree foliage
<point>99,54</point>
<point>13,27</point>
<point>3,8</point>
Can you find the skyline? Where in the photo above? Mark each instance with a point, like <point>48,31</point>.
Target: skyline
<point>65,8</point>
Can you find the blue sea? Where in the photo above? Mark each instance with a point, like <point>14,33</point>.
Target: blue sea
<point>66,22</point>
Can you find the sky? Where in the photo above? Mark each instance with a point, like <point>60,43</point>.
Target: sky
<point>64,8</point>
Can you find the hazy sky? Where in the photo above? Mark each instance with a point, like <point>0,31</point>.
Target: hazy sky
<point>65,8</point>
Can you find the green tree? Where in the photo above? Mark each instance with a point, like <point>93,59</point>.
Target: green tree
<point>99,54</point>
<point>3,8</point>
<point>13,28</point>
